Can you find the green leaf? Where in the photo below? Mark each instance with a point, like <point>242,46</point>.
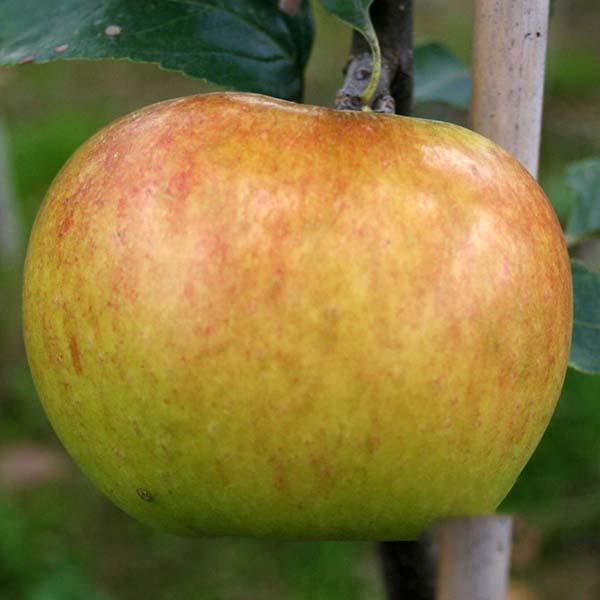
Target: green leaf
<point>250,45</point>
<point>585,346</point>
<point>564,470</point>
<point>584,178</point>
<point>356,14</point>
<point>440,76</point>
<point>353,12</point>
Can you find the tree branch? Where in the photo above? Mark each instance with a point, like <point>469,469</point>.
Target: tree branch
<point>392,21</point>
<point>408,567</point>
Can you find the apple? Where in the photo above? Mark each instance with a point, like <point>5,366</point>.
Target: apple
<point>245,316</point>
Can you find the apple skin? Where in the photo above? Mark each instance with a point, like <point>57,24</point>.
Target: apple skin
<point>249,317</point>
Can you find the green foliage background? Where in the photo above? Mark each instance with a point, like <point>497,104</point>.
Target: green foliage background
<point>59,539</point>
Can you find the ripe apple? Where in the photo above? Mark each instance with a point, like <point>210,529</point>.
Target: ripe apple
<point>249,317</point>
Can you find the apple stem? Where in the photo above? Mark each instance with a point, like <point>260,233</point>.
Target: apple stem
<point>378,74</point>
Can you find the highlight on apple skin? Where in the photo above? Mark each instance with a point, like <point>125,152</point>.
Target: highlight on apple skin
<point>250,317</point>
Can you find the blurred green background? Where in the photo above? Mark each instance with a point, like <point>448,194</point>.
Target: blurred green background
<point>59,539</point>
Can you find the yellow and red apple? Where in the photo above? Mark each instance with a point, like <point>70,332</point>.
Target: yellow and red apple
<point>245,316</point>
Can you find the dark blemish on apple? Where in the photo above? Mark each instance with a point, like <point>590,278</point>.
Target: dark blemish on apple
<point>145,495</point>
<point>113,30</point>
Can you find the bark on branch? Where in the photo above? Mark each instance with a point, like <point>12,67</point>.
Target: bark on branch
<point>392,20</point>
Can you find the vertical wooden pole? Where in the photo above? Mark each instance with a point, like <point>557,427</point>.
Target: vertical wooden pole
<point>509,56</point>
<point>474,557</point>
<point>508,90</point>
